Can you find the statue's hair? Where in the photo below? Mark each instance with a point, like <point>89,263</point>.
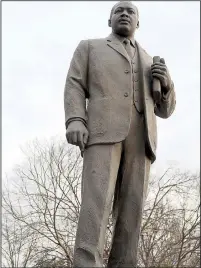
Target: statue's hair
<point>112,10</point>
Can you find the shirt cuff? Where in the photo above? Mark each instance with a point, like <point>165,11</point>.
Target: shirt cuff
<point>75,119</point>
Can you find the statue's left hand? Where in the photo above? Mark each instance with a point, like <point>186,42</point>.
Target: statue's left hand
<point>160,71</point>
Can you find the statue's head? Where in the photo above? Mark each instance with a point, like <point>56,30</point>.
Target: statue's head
<point>124,18</point>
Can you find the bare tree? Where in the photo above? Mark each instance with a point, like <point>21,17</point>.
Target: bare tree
<point>19,243</point>
<point>45,202</point>
<point>171,222</point>
<point>47,194</point>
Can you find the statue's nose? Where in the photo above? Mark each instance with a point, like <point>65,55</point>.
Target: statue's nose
<point>124,13</point>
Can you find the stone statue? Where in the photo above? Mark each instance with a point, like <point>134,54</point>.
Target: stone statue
<point>117,135</point>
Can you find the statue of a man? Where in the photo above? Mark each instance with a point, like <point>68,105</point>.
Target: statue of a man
<point>117,135</point>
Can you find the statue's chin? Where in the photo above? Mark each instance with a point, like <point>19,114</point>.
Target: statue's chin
<point>123,31</point>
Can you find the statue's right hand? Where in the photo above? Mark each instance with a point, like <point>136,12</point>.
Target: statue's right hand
<point>77,134</point>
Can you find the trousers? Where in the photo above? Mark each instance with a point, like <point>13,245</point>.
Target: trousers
<point>106,167</point>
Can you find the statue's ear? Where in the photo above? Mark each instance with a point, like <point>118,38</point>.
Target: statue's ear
<point>109,23</point>
<point>138,24</point>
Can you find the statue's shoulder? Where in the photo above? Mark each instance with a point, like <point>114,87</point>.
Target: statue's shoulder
<point>92,44</point>
<point>93,40</point>
<point>96,41</point>
<point>86,43</point>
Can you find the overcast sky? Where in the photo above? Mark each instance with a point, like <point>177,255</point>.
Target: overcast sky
<point>39,39</point>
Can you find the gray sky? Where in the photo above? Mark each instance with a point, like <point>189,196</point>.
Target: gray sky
<point>39,39</point>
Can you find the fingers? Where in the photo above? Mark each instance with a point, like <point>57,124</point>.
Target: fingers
<point>158,71</point>
<point>80,141</point>
<point>159,65</point>
<point>77,138</point>
<point>85,138</point>
<point>72,137</point>
<point>160,76</point>
<point>68,137</point>
<point>77,134</point>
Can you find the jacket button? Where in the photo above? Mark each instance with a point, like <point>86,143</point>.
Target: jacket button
<point>126,95</point>
<point>126,71</point>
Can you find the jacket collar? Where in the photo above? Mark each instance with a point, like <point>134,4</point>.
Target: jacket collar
<point>116,43</point>
<point>145,60</point>
<point>117,38</point>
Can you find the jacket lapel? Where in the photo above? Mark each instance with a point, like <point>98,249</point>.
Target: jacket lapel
<point>115,44</point>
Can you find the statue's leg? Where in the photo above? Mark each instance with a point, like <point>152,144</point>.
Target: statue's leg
<point>100,168</point>
<point>134,180</point>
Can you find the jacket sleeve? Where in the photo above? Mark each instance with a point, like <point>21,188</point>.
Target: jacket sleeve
<point>75,92</point>
<point>167,105</point>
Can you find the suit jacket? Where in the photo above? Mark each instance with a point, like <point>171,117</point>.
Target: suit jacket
<point>101,72</point>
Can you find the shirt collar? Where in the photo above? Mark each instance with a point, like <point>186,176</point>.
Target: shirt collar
<point>121,39</point>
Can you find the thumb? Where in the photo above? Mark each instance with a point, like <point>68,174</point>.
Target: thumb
<point>162,60</point>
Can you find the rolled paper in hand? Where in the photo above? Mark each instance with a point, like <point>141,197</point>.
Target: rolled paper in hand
<point>156,84</point>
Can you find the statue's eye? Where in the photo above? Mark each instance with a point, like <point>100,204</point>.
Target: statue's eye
<point>118,10</point>
<point>131,11</point>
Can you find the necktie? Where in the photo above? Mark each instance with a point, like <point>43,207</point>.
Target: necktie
<point>128,48</point>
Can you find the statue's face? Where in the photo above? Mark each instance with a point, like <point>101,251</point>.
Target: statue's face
<point>124,19</point>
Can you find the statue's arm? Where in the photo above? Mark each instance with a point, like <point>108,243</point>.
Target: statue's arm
<point>167,105</point>
<point>76,91</point>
